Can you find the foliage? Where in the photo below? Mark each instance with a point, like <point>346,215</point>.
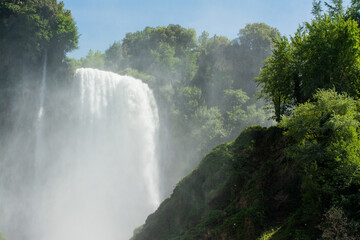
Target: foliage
<point>92,60</point>
<point>30,28</point>
<point>159,51</point>
<point>337,226</point>
<point>326,148</point>
<point>324,53</point>
<point>113,57</point>
<point>213,72</point>
<point>326,136</point>
<point>257,38</point>
<point>250,50</point>
<point>332,45</point>
<point>274,77</point>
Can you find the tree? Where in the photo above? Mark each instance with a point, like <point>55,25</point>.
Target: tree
<point>214,69</point>
<point>248,53</point>
<point>28,31</point>
<point>113,57</point>
<point>163,52</point>
<point>336,8</point>
<point>329,56</point>
<point>257,38</point>
<point>329,124</point>
<point>93,60</point>
<point>275,80</point>
<point>324,53</point>
<point>326,147</point>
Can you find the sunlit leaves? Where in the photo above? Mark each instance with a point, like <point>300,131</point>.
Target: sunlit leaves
<point>31,28</point>
<point>323,54</point>
<point>326,133</point>
<point>276,77</point>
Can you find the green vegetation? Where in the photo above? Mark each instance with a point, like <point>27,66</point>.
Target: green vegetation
<point>293,182</point>
<point>324,53</point>
<point>29,30</point>
<point>299,180</point>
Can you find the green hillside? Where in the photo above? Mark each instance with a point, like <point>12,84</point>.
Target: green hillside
<point>300,181</point>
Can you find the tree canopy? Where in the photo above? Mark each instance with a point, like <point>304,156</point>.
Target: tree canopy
<point>30,32</point>
<point>326,147</point>
<point>324,53</point>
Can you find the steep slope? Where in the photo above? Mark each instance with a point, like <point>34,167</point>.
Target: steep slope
<point>239,190</point>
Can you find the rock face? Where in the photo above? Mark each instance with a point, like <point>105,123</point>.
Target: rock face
<point>239,190</point>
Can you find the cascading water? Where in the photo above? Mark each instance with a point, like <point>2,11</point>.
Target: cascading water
<point>98,174</point>
<point>39,120</point>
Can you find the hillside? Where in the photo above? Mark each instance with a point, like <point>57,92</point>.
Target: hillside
<point>249,189</point>
<point>239,190</point>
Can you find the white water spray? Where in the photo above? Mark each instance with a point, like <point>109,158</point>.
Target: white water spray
<point>43,88</point>
<point>97,178</point>
<point>39,120</point>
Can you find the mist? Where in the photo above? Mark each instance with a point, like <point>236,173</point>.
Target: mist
<point>89,174</point>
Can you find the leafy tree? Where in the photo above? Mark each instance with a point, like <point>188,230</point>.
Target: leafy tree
<point>324,53</point>
<point>252,47</point>
<point>161,51</point>
<point>328,54</point>
<point>190,101</point>
<point>239,113</point>
<point>331,120</point>
<point>113,57</point>
<point>317,9</point>
<point>257,38</point>
<point>93,60</point>
<point>336,8</point>
<point>164,62</point>
<point>209,128</point>
<point>326,147</point>
<point>353,11</point>
<point>31,28</point>
<point>213,75</point>
<point>203,37</point>
<point>276,77</point>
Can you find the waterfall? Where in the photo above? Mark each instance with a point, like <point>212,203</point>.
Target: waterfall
<point>39,119</point>
<point>97,174</point>
<point>43,88</point>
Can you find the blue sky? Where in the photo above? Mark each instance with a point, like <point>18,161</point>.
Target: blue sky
<point>101,23</point>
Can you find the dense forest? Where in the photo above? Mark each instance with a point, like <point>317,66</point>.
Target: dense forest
<point>296,179</point>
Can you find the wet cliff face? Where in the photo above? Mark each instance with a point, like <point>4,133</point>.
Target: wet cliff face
<point>239,190</point>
